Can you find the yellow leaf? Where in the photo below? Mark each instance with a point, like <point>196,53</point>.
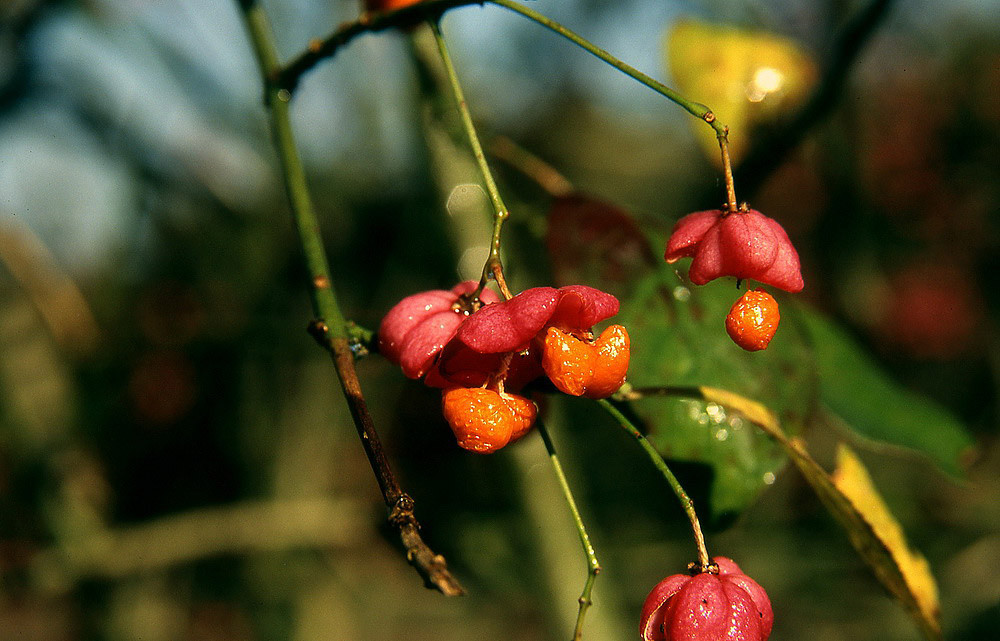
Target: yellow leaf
<point>851,498</point>
<point>852,479</point>
<point>753,410</point>
<point>745,77</point>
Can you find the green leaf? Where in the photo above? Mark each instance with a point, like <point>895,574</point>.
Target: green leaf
<point>874,406</point>
<point>679,339</point>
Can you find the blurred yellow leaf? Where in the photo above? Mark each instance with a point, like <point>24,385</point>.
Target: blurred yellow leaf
<point>745,77</point>
<point>852,479</point>
<point>851,498</point>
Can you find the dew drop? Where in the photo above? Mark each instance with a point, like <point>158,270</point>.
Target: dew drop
<point>716,412</point>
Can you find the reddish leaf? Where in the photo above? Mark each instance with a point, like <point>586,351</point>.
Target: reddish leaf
<point>592,241</point>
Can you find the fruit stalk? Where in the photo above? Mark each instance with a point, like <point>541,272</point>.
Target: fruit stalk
<point>593,566</point>
<point>686,503</point>
<point>493,266</point>
<point>727,170</point>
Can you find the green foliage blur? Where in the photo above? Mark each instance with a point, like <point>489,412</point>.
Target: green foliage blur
<point>176,459</point>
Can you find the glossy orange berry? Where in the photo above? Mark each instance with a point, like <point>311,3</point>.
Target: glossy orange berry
<point>753,320</point>
<point>388,5</point>
<point>484,420</point>
<point>581,368</point>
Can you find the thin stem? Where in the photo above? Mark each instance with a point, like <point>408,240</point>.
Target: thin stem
<point>547,176</point>
<point>727,172</point>
<point>288,77</point>
<point>593,566</point>
<point>636,393</point>
<point>330,329</point>
<point>754,412</point>
<point>697,110</point>
<point>493,266</point>
<point>324,300</point>
<point>686,503</point>
<point>432,10</point>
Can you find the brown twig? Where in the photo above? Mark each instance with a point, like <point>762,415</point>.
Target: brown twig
<point>331,329</point>
<point>727,170</point>
<point>288,76</point>
<point>431,566</point>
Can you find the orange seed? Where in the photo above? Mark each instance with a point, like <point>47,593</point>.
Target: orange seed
<point>581,368</point>
<point>484,420</point>
<point>753,320</point>
<point>388,5</point>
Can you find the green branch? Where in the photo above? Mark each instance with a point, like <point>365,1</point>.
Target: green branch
<point>493,264</point>
<point>593,566</point>
<point>330,329</point>
<point>289,76</point>
<point>686,503</point>
<point>697,110</point>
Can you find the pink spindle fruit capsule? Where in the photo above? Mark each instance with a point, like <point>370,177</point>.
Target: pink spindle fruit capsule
<point>727,606</point>
<point>745,244</point>
<point>416,328</point>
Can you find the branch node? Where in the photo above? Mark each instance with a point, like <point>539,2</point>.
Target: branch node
<point>319,330</point>
<point>402,511</point>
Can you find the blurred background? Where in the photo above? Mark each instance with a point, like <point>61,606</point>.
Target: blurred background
<point>176,461</point>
